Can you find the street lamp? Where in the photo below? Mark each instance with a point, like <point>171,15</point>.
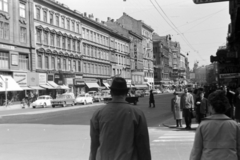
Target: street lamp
<point>6,87</point>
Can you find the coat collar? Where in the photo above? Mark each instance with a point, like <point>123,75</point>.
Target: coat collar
<point>217,117</point>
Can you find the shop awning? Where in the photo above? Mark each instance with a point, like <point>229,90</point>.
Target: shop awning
<point>36,88</point>
<point>63,87</point>
<point>141,86</point>
<point>11,84</point>
<point>92,85</point>
<point>53,84</point>
<point>26,88</point>
<point>47,86</point>
<point>106,85</point>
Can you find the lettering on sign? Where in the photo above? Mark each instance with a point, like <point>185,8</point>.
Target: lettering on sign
<point>229,69</point>
<point>42,78</point>
<point>20,78</point>
<point>207,1</point>
<point>7,47</point>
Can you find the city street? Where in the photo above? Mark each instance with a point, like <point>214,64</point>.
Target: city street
<point>63,133</point>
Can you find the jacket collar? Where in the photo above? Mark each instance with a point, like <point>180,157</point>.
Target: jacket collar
<point>217,117</point>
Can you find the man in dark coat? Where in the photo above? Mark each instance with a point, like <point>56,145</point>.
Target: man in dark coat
<point>118,130</point>
<point>151,99</point>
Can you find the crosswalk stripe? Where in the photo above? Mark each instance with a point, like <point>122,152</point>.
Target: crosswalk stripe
<point>174,140</point>
<point>175,136</point>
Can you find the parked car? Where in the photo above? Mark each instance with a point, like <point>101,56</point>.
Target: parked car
<point>156,91</point>
<point>42,101</point>
<point>84,99</point>
<point>139,93</point>
<point>64,100</point>
<point>146,92</point>
<point>91,93</point>
<point>98,97</point>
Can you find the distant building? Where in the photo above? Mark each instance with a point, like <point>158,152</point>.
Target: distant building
<point>201,75</point>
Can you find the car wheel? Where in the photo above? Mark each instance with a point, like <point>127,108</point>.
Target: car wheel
<point>44,105</point>
<point>53,106</point>
<point>33,107</point>
<point>85,102</point>
<point>64,104</point>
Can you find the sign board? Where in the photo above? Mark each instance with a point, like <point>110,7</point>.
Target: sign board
<point>229,75</point>
<point>20,78</point>
<point>14,59</point>
<point>3,46</point>
<point>42,77</point>
<point>228,68</point>
<point>207,1</point>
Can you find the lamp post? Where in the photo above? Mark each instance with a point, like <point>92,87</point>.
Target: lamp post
<point>6,87</point>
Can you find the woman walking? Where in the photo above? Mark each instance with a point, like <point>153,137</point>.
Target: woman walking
<point>176,110</point>
<point>218,136</point>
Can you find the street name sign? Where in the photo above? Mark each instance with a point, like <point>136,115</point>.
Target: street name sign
<point>207,1</point>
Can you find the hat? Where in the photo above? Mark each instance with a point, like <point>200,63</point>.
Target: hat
<point>119,83</point>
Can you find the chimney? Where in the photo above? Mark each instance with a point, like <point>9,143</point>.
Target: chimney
<point>102,22</point>
<point>97,20</point>
<point>92,16</point>
<point>112,20</point>
<point>85,14</point>
<point>108,18</point>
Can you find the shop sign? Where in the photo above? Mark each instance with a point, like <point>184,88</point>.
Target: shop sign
<point>229,75</point>
<point>32,78</point>
<point>50,77</point>
<point>20,78</point>
<point>69,75</point>
<point>69,81</point>
<point>129,81</point>
<point>228,68</point>
<point>57,76</point>
<point>79,83</point>
<point>207,1</point>
<point>42,78</point>
<point>58,79</point>
<point>3,46</point>
<point>78,76</point>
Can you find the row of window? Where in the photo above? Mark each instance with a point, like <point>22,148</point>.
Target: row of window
<point>148,74</point>
<point>148,64</point>
<point>120,59</point>
<point>93,68</point>
<point>95,52</point>
<point>58,63</point>
<point>123,73</point>
<point>23,61</point>
<point>137,79</point>
<point>95,37</point>
<point>57,19</point>
<point>56,40</point>
<point>119,47</point>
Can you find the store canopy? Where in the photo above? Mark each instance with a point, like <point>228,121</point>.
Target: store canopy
<point>63,87</point>
<point>47,86</point>
<point>106,85</point>
<point>11,84</point>
<point>26,88</point>
<point>53,84</point>
<point>141,86</point>
<point>92,85</point>
<point>36,88</point>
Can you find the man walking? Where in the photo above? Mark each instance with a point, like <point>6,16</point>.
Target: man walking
<point>118,130</point>
<point>151,100</point>
<point>187,104</point>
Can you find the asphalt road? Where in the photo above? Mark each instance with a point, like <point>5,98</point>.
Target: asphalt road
<point>81,116</point>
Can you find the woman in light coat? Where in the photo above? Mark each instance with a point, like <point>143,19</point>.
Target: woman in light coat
<point>218,136</point>
<point>176,109</point>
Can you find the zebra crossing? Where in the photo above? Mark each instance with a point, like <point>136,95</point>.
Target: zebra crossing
<point>176,136</point>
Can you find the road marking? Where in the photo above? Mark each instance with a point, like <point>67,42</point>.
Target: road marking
<point>176,136</point>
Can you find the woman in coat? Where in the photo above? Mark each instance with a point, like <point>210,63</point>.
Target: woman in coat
<point>218,136</point>
<point>176,110</point>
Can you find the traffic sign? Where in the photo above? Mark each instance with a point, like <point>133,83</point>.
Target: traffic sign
<point>207,1</point>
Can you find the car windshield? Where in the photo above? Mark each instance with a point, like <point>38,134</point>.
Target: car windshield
<point>61,97</point>
<point>42,98</point>
<point>81,95</point>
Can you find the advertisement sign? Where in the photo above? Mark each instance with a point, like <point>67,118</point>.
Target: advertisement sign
<point>229,75</point>
<point>69,81</point>
<point>20,78</point>
<point>79,82</point>
<point>32,78</point>
<point>207,1</point>
<point>42,78</point>
<point>228,68</point>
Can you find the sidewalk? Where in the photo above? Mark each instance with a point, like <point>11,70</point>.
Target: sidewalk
<point>11,107</point>
<point>171,123</point>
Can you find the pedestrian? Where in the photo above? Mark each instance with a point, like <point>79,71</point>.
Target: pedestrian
<point>201,106</point>
<point>237,105</point>
<point>151,99</point>
<point>229,94</point>
<point>187,106</point>
<point>118,130</point>
<point>218,136</point>
<point>176,110</point>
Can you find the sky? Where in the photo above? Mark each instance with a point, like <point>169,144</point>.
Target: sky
<point>199,28</point>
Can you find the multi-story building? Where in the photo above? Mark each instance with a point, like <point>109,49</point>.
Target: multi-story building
<point>16,47</point>
<point>145,31</point>
<point>175,47</point>
<point>200,75</point>
<point>211,74</point>
<point>182,68</point>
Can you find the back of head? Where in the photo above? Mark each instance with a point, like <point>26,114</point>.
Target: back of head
<point>119,87</point>
<point>219,101</point>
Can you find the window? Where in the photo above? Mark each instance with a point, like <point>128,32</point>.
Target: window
<point>22,10</point>
<point>58,40</point>
<point>74,66</point>
<point>83,33</point>
<point>39,36</point>
<point>78,31</point>
<point>69,65</point>
<point>69,44</point>
<point>84,68</point>
<point>73,26</point>
<point>90,35</point>
<point>64,64</point>
<point>45,16</point>
<point>46,62</point>
<point>94,37</point>
<point>79,66</point>
<point>4,60</point>
<point>97,38</point>
<point>23,34</point>
<point>57,21</point>
<point>4,5</point>
<point>59,63</point>
<point>63,22</point>
<point>74,45</point>
<point>52,39</point>
<point>38,15</point>
<point>53,63</point>
<point>86,34</point>
<point>63,43</point>
<point>84,49</point>
<point>4,30</point>
<point>51,18</point>
<point>78,46</point>
<point>45,37</point>
<point>23,62</point>
<point>39,61</point>
<point>68,24</point>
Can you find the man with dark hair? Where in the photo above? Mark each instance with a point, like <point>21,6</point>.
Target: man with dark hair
<point>118,130</point>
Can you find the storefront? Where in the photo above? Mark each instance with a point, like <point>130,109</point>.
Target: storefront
<point>91,85</point>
